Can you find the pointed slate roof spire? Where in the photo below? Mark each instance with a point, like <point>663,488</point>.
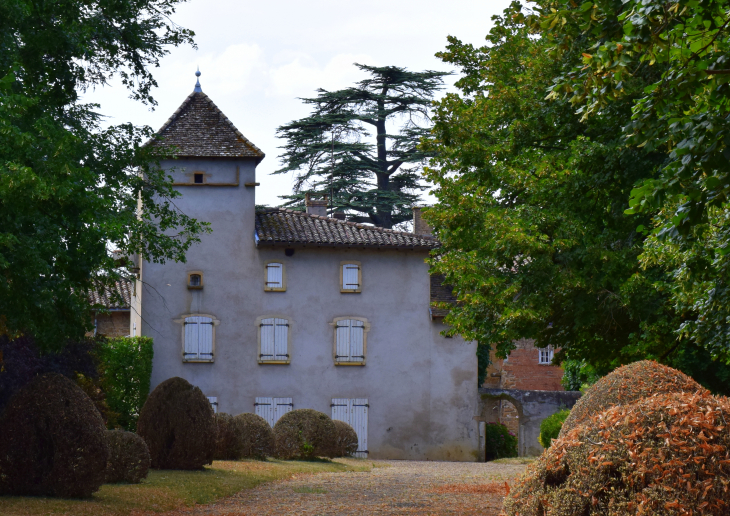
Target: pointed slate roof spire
<point>199,129</point>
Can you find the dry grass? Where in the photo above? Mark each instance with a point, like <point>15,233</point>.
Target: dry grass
<point>167,490</point>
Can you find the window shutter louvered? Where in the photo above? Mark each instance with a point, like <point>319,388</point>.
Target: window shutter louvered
<point>191,345</point>
<point>357,332</point>
<point>267,339</point>
<point>343,341</point>
<point>281,338</point>
<point>281,407</point>
<point>350,277</point>
<point>205,338</point>
<point>274,276</point>
<point>264,407</point>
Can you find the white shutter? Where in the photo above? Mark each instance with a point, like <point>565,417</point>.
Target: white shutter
<point>191,345</point>
<point>274,275</point>
<point>341,409</point>
<point>281,407</point>
<point>264,407</point>
<point>267,340</point>
<point>343,341</point>
<point>357,334</point>
<point>213,403</point>
<point>359,421</point>
<point>281,339</point>
<point>205,338</point>
<point>350,280</point>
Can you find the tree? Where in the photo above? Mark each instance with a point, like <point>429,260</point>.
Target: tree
<point>70,191</point>
<point>374,182</point>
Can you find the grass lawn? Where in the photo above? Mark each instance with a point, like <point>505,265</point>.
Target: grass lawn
<point>166,490</point>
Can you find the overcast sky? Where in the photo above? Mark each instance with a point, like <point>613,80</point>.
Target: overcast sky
<point>257,58</point>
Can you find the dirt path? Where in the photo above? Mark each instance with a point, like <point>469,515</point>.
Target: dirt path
<point>392,487</point>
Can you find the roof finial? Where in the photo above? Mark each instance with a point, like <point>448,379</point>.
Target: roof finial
<point>197,89</point>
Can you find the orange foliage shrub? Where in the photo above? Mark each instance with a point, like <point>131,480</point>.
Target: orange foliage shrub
<point>668,454</point>
<point>628,384</point>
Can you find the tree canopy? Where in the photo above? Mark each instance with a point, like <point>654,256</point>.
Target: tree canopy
<point>71,192</point>
<point>360,145</point>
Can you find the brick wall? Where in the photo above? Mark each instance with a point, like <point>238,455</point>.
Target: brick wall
<point>113,324</point>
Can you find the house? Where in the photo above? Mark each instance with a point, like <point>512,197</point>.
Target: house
<point>110,310</point>
<point>278,309</point>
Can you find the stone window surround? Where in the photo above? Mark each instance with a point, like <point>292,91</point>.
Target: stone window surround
<point>366,329</point>
<point>195,287</point>
<point>266,276</point>
<point>181,322</point>
<point>342,277</point>
<point>289,332</point>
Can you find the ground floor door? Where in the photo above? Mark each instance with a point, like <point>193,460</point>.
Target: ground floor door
<point>271,409</point>
<point>354,412</point>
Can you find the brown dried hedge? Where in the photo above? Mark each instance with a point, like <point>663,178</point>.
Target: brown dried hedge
<point>53,441</point>
<point>129,458</point>
<point>345,440</point>
<point>664,455</point>
<point>257,437</point>
<point>228,445</point>
<point>625,385</point>
<point>178,425</point>
<point>304,434</point>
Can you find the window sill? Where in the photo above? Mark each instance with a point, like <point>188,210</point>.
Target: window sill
<point>350,291</point>
<point>279,362</point>
<point>274,289</point>
<point>198,361</point>
<point>350,363</point>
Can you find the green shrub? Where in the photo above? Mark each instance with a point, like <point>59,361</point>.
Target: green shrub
<point>178,425</point>
<point>125,368</point>
<point>257,437</point>
<point>129,458</point>
<point>52,441</point>
<point>345,441</point>
<point>304,434</point>
<point>550,427</point>
<point>499,442</point>
<point>228,444</point>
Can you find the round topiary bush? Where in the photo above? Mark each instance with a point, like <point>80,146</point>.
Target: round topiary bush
<point>129,458</point>
<point>257,437</point>
<point>178,425</point>
<point>53,441</point>
<point>345,441</point>
<point>550,427</point>
<point>499,442</point>
<point>304,434</point>
<point>628,384</point>
<point>668,454</point>
<point>228,445</point>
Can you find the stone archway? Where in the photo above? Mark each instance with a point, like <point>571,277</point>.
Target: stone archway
<point>532,407</point>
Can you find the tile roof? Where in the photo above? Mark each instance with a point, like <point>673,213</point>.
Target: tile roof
<point>118,297</point>
<point>199,129</point>
<point>441,293</point>
<point>280,227</point>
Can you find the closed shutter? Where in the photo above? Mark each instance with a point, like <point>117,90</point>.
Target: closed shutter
<point>191,339</point>
<point>354,412</point>
<point>281,407</point>
<point>213,403</point>
<point>264,407</point>
<point>357,336</point>
<point>274,275</point>
<point>343,341</point>
<point>205,338</point>
<point>267,340</point>
<point>350,276</point>
<point>281,339</point>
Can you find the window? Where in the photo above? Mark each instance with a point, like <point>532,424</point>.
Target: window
<point>350,340</point>
<point>271,409</point>
<point>195,280</point>
<point>350,277</point>
<point>274,340</point>
<point>546,355</point>
<point>275,280</point>
<point>354,412</point>
<point>198,338</point>
<point>213,403</point>
<point>198,179</point>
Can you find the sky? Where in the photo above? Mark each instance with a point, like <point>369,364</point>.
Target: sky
<point>258,58</point>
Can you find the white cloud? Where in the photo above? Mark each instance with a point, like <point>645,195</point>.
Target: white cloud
<point>301,76</point>
<point>236,69</point>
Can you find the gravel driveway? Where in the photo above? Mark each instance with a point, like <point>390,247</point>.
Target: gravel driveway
<point>392,487</point>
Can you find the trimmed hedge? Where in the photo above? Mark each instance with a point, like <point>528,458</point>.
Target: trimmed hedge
<point>228,444</point>
<point>628,384</point>
<point>129,458</point>
<point>499,442</point>
<point>53,441</point>
<point>257,437</point>
<point>346,440</point>
<point>665,455</point>
<point>304,434</point>
<point>178,425</point>
<point>550,427</point>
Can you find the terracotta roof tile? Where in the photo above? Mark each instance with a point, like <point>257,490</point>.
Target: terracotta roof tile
<point>199,129</point>
<point>118,297</point>
<point>287,227</point>
<point>441,293</point>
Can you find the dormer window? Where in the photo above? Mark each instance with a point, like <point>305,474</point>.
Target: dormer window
<point>195,280</point>
<point>198,178</point>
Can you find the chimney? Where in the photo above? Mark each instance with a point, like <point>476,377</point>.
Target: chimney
<point>316,207</point>
<point>420,226</point>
